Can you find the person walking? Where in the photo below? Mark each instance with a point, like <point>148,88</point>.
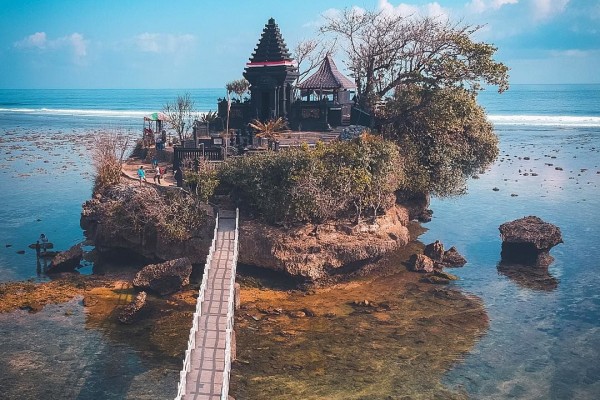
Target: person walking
<point>157,174</point>
<point>141,174</point>
<point>179,177</point>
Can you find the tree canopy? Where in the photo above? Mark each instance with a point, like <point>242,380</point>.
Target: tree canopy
<point>419,77</point>
<point>442,135</point>
<point>385,50</point>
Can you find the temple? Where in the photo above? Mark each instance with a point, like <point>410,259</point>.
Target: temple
<point>323,102</point>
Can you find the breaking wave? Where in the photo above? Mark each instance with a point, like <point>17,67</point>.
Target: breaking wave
<point>77,112</point>
<point>545,120</point>
<point>515,120</point>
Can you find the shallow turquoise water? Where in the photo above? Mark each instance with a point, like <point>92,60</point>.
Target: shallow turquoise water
<point>544,335</point>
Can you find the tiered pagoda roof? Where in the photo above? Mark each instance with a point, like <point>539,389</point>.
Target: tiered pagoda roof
<point>271,49</point>
<point>327,77</point>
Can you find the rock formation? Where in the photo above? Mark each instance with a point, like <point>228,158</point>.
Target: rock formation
<point>421,263</point>
<point>416,204</point>
<point>165,278</point>
<point>452,258</point>
<point>66,260</point>
<point>443,259</point>
<point>528,241</point>
<point>107,221</point>
<point>316,251</point>
<point>435,251</point>
<point>131,310</point>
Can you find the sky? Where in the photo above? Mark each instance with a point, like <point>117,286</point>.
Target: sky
<point>188,44</point>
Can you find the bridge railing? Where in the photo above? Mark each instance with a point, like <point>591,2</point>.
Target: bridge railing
<point>230,313</point>
<point>197,313</point>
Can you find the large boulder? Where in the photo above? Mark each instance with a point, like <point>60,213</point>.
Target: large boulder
<point>164,278</point>
<point>528,240</point>
<point>66,260</point>
<point>416,204</point>
<point>315,252</point>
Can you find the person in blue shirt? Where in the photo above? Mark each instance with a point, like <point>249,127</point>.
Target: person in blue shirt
<point>141,174</point>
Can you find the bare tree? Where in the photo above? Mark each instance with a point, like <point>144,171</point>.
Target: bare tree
<point>309,53</point>
<point>385,50</point>
<point>181,113</point>
<point>107,155</point>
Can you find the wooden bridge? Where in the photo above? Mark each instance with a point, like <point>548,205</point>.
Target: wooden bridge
<point>207,363</point>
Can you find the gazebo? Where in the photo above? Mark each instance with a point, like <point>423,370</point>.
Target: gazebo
<point>327,81</point>
<point>153,125</point>
<point>328,101</point>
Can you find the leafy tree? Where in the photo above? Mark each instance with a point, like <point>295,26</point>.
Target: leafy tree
<point>181,113</point>
<point>443,136</point>
<point>385,50</point>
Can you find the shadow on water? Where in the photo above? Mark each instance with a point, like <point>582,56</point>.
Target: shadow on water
<point>528,276</point>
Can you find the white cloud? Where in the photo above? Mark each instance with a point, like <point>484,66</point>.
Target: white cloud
<point>40,41</point>
<point>496,4</point>
<point>481,6</point>
<point>433,9</point>
<point>163,43</point>
<point>545,9</point>
<point>36,40</point>
<point>332,13</point>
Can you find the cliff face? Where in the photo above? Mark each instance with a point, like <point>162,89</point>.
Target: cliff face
<point>142,220</point>
<point>129,216</point>
<point>316,251</point>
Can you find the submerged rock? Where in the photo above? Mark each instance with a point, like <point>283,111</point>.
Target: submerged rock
<point>131,310</point>
<point>66,260</point>
<point>527,277</point>
<point>528,240</point>
<point>164,278</point>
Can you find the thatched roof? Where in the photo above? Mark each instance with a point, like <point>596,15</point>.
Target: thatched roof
<point>327,77</point>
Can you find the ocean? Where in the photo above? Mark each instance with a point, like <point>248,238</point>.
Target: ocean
<point>543,341</point>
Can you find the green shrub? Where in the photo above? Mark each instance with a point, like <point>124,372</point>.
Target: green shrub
<point>443,136</point>
<point>339,180</point>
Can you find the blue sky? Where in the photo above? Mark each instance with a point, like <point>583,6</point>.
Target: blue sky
<point>193,44</point>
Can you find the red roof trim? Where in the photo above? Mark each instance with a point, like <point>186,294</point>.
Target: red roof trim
<point>268,63</point>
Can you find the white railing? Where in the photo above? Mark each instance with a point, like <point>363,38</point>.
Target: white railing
<point>230,313</point>
<point>197,314</point>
